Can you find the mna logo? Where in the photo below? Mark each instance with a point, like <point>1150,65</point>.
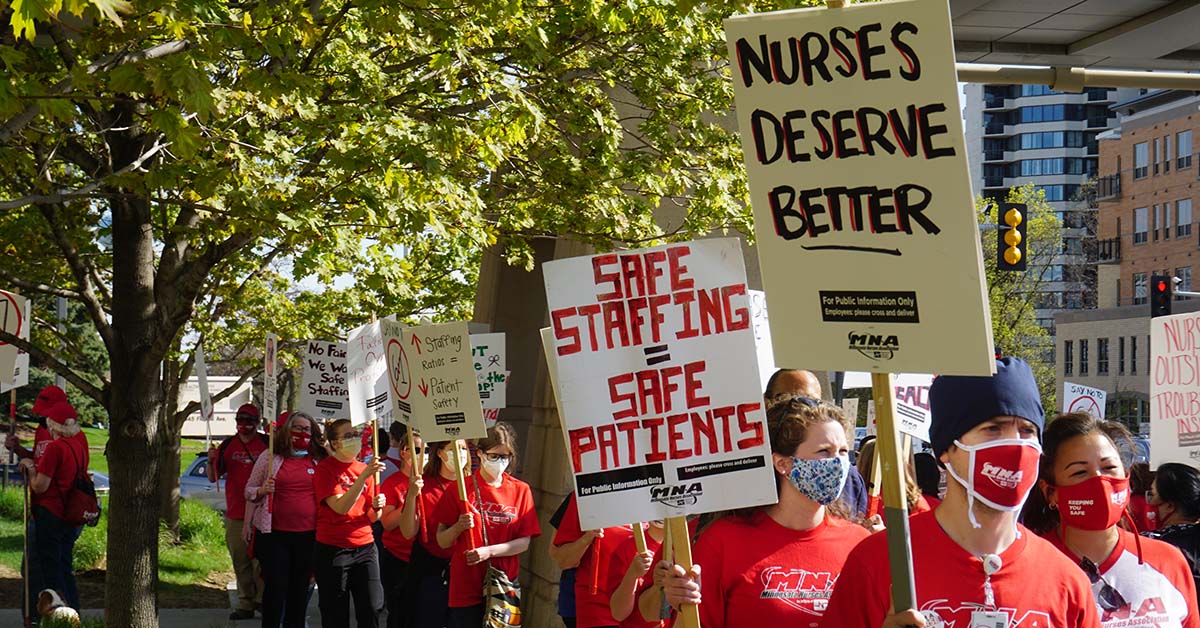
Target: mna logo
<point>1002,477</point>
<point>677,495</point>
<point>875,346</point>
<point>452,431</point>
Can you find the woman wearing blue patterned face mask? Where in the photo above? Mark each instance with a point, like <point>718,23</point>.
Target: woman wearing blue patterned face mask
<point>778,564</point>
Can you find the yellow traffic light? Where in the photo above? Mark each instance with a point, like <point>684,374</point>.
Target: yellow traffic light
<point>1013,217</point>
<point>1012,237</point>
<point>1011,243</point>
<point>1012,255</point>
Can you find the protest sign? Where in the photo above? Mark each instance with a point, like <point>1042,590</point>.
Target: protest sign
<point>206,405</point>
<point>443,389</point>
<point>850,407</point>
<point>14,319</point>
<point>14,362</point>
<point>912,412</point>
<point>855,158</point>
<point>662,405</point>
<point>1175,389</point>
<point>367,375</point>
<point>270,380</point>
<point>762,336</point>
<point>1080,398</point>
<point>489,357</point>
<point>323,392</point>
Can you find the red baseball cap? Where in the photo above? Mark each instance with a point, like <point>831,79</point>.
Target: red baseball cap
<point>64,417</point>
<point>282,419</point>
<point>47,399</point>
<point>247,410</point>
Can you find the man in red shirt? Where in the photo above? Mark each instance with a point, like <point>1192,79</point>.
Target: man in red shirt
<point>51,479</point>
<point>234,459</point>
<point>973,564</point>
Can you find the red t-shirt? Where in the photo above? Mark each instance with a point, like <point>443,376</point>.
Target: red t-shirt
<point>431,494</point>
<point>353,529</point>
<point>508,513</point>
<point>875,505</point>
<point>41,440</point>
<point>1154,580</point>
<point>236,463</point>
<point>395,490</point>
<point>1036,586</point>
<point>60,461</point>
<point>622,557</point>
<point>1139,509</point>
<point>759,573</point>
<point>294,503</point>
<point>591,609</point>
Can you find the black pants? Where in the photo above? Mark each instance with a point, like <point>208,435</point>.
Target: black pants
<point>395,572</point>
<point>53,552</point>
<point>466,617</point>
<point>287,561</point>
<point>342,572</point>
<point>427,590</point>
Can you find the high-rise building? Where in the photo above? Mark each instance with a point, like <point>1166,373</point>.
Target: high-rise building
<point>1017,134</point>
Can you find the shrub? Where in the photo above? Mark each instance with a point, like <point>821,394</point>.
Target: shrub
<point>200,525</point>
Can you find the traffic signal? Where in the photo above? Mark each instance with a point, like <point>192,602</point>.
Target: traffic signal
<point>1010,237</point>
<point>1160,295</point>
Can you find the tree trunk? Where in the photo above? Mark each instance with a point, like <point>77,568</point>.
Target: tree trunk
<point>169,460</point>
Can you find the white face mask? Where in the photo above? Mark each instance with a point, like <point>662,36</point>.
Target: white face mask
<point>494,469</point>
<point>350,447</point>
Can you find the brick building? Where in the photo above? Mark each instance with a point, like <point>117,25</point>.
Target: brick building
<point>1147,188</point>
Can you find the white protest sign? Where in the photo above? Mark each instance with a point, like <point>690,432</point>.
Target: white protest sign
<point>762,336</point>
<point>399,371</point>
<point>270,379</point>
<point>857,166</point>
<point>445,395</point>
<point>662,405</point>
<point>850,407</point>
<point>14,313</point>
<point>912,414</point>
<point>1080,398</point>
<point>323,392</point>
<point>1175,389</point>
<point>872,426</point>
<point>14,319</point>
<point>206,405</point>
<point>367,374</point>
<point>489,357</point>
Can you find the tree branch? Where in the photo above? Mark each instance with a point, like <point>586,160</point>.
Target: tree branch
<point>81,269</point>
<point>63,197</point>
<point>193,406</point>
<point>41,288</point>
<point>55,365</point>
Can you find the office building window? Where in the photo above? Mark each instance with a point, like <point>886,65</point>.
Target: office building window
<point>1133,355</point>
<point>1157,153</point>
<point>1141,160</point>
<point>1184,273</point>
<point>1166,224</point>
<point>1183,149</point>
<point>1157,221</point>
<point>1166,157</point>
<point>1083,358</point>
<point>1102,356</point>
<point>1121,355</point>
<point>1183,217</point>
<point>1068,357</point>
<point>1141,225</point>
<point>1139,288</point>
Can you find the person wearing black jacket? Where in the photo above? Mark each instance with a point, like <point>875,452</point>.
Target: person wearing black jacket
<point>1174,497</point>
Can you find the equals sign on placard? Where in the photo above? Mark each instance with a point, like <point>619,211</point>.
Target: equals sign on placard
<point>453,359</point>
<point>652,358</point>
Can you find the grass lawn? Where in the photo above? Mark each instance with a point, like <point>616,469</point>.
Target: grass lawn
<point>98,438</point>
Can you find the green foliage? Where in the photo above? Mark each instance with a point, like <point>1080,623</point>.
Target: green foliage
<point>90,547</point>
<point>11,504</point>
<point>1013,295</point>
<point>200,525</point>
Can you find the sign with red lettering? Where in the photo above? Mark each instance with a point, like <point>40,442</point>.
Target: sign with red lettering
<point>856,163</point>
<point>1080,398</point>
<point>660,398</point>
<point>433,378</point>
<point>1175,389</point>
<point>912,415</point>
<point>14,319</point>
<point>367,376</point>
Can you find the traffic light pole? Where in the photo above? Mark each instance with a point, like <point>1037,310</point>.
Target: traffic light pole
<point>1184,293</point>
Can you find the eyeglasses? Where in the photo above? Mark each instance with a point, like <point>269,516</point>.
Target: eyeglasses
<point>351,435</point>
<point>1110,599</point>
<point>497,457</point>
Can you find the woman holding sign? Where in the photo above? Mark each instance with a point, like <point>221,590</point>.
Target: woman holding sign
<point>1083,495</point>
<point>427,588</point>
<point>282,508</point>
<point>776,565</point>
<point>345,560</point>
<point>504,508</point>
<point>401,490</point>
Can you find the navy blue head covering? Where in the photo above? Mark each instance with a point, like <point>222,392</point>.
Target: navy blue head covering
<point>959,403</point>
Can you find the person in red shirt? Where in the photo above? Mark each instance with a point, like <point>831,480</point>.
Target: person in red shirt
<point>591,553</point>
<point>973,564</point>
<point>402,494</point>
<point>776,565</point>
<point>234,459</point>
<point>1083,494</point>
<point>627,577</point>
<point>427,587</point>
<point>1140,480</point>
<point>49,397</point>
<point>282,510</point>
<point>345,558</point>
<point>50,480</point>
<point>507,522</point>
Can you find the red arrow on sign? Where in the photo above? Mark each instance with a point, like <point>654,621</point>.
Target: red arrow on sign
<point>416,342</point>
<point>423,387</point>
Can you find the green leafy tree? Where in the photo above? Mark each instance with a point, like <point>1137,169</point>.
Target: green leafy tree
<point>1013,295</point>
<point>184,173</point>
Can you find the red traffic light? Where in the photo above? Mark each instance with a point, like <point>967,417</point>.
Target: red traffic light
<point>1162,286</point>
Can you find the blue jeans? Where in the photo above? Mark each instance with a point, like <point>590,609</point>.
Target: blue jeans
<point>53,552</point>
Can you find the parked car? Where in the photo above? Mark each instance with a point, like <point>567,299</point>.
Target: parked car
<point>16,478</point>
<point>194,484</point>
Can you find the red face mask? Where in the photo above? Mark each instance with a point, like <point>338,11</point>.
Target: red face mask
<point>1096,503</point>
<point>246,429</point>
<point>300,440</point>
<point>1002,473</point>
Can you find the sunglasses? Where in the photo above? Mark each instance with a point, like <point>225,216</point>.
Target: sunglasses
<point>1110,599</point>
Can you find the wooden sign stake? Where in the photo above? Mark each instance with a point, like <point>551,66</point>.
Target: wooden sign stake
<point>895,507</point>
